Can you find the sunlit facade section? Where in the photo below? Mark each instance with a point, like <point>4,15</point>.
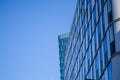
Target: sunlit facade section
<point>93,51</point>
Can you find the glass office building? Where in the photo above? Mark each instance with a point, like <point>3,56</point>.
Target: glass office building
<point>62,40</point>
<point>93,51</point>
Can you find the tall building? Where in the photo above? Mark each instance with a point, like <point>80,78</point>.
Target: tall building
<point>62,39</point>
<point>93,51</point>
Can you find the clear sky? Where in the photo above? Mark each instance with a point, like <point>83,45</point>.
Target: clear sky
<point>29,32</point>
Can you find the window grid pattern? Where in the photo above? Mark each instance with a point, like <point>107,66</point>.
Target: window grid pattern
<point>90,41</point>
<point>62,40</point>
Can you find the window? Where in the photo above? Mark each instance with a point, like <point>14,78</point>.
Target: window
<point>90,6</point>
<point>105,50</point>
<point>97,67</point>
<point>83,11</point>
<point>110,17</point>
<point>90,29</point>
<point>92,72</point>
<point>89,76</point>
<point>85,22</point>
<point>95,43</point>
<point>109,5</point>
<point>94,14</point>
<point>91,47</point>
<point>85,69</point>
<point>88,32</point>
<point>103,77</point>
<point>89,58</point>
<point>80,59</point>
<point>87,40</point>
<point>83,31</point>
<point>99,33</point>
<point>85,2</point>
<point>101,60</point>
<point>112,42</point>
<point>93,3</point>
<point>103,23</point>
<point>98,6</point>
<point>110,72</point>
<point>102,3</point>
<point>88,11</point>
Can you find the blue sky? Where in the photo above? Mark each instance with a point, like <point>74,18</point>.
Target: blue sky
<point>28,37</point>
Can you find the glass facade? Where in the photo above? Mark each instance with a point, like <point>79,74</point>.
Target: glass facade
<point>62,40</point>
<point>91,43</point>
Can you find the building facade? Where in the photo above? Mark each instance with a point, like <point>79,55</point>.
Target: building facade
<point>62,40</point>
<point>93,51</point>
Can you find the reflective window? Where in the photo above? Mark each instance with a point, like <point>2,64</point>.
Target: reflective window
<point>93,72</point>
<point>105,50</point>
<point>88,11</point>
<point>98,6</point>
<point>103,77</point>
<point>110,17</point>
<point>99,33</point>
<point>95,43</point>
<point>89,57</point>
<point>88,33</point>
<point>90,6</point>
<point>97,67</point>
<point>90,29</point>
<point>103,23</point>
<point>112,42</point>
<point>110,72</point>
<point>102,3</point>
<point>94,14</point>
<point>90,74</point>
<point>101,60</point>
<point>109,5</point>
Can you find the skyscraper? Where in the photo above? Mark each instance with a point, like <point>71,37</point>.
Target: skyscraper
<point>62,39</point>
<point>93,51</point>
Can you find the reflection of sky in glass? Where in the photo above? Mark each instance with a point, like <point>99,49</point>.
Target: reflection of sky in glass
<point>28,37</point>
